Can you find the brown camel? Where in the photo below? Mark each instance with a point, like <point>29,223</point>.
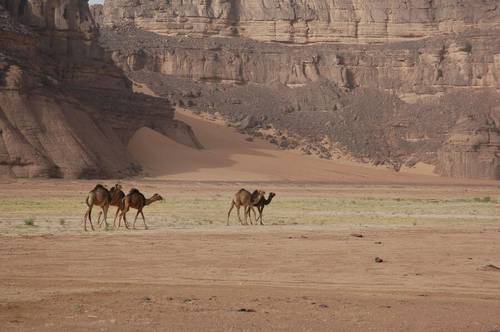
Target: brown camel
<point>117,196</point>
<point>98,196</point>
<point>246,199</point>
<point>260,207</point>
<point>136,200</point>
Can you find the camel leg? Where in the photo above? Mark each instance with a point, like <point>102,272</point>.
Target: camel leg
<point>246,214</point>
<point>144,220</point>
<point>99,221</point>
<point>120,220</point>
<point>90,218</point>
<point>261,210</point>
<point>250,209</point>
<point>120,217</point>
<point>85,220</point>
<point>105,210</point>
<point>229,212</point>
<point>239,215</point>
<point>135,219</point>
<point>116,215</point>
<point>254,215</point>
<point>125,219</point>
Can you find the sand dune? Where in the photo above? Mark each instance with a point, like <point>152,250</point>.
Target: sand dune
<point>228,156</point>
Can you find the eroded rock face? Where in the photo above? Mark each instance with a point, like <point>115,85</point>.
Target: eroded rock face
<point>97,12</point>
<point>410,69</point>
<point>306,21</point>
<point>472,149</point>
<point>66,110</point>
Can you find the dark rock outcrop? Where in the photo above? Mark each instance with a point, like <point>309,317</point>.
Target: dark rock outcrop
<point>472,149</point>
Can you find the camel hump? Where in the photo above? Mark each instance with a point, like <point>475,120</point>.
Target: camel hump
<point>99,186</point>
<point>255,193</point>
<point>134,191</point>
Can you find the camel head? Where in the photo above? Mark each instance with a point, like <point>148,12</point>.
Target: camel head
<point>116,188</point>
<point>156,197</point>
<point>269,198</point>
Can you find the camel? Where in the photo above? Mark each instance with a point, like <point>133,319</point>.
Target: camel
<point>98,196</point>
<point>117,196</point>
<point>136,200</point>
<point>260,207</point>
<point>246,199</point>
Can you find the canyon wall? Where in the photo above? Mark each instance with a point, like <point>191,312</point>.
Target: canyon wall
<point>410,69</point>
<point>379,81</point>
<point>306,21</point>
<point>65,109</point>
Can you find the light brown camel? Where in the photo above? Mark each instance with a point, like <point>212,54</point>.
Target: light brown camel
<point>260,207</point>
<point>136,200</point>
<point>246,199</point>
<point>98,196</point>
<point>117,196</point>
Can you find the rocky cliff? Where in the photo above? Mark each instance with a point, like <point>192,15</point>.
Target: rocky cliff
<point>378,81</point>
<point>65,109</point>
<point>307,21</point>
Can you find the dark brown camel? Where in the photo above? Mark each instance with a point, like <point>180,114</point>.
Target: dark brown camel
<point>98,196</point>
<point>136,200</point>
<point>260,207</point>
<point>246,199</point>
<point>117,196</point>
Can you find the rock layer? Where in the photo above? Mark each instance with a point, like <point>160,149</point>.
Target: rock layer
<point>66,110</point>
<point>306,21</point>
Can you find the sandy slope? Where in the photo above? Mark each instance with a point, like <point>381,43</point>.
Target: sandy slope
<point>228,156</point>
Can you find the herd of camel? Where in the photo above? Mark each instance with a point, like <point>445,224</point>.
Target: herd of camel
<point>102,197</point>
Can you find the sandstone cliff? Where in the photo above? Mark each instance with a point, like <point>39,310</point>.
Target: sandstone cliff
<point>379,81</point>
<point>306,21</point>
<point>65,109</point>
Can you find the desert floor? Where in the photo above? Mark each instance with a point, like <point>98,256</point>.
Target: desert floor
<point>303,270</point>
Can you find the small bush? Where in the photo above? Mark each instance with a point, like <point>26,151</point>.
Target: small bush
<point>486,199</point>
<point>29,222</point>
<point>62,222</point>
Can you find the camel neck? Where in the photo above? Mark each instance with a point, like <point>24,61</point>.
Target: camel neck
<point>150,200</point>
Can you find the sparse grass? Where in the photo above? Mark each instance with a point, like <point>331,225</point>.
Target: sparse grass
<point>29,222</point>
<point>191,208</point>
<point>486,199</point>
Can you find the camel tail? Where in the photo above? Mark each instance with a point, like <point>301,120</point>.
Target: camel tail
<point>229,212</point>
<point>90,197</point>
